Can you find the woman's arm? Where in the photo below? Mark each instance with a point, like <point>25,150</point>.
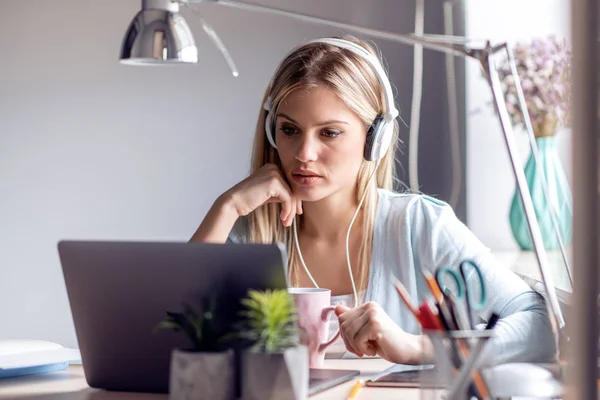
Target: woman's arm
<point>369,330</point>
<point>265,185</point>
<point>217,223</point>
<point>522,336</point>
<point>429,237</point>
<point>523,333</point>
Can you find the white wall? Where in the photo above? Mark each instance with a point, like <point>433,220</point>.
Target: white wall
<point>490,182</point>
<point>93,149</point>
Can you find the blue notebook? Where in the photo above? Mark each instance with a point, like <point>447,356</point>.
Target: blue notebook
<point>27,357</point>
<point>38,369</point>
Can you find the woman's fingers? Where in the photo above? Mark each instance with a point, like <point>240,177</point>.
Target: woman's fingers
<point>293,210</point>
<point>286,206</point>
<point>366,338</point>
<point>340,309</point>
<point>343,314</point>
<point>362,331</point>
<point>289,202</point>
<point>350,321</point>
<point>361,328</point>
<point>289,206</point>
<point>353,325</point>
<point>279,190</point>
<point>349,345</point>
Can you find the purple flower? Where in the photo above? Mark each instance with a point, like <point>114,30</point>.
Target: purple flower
<point>544,69</point>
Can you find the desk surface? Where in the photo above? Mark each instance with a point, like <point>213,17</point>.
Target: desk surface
<point>71,385</point>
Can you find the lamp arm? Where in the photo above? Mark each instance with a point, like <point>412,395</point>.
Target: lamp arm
<point>554,311</point>
<point>214,37</point>
<point>409,39</point>
<point>536,157</point>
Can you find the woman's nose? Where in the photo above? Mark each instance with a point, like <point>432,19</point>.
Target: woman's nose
<point>307,149</point>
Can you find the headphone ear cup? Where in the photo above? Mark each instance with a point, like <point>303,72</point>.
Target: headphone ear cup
<point>269,129</point>
<point>372,143</point>
<point>387,133</point>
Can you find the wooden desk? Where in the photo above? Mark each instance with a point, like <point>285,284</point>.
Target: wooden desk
<point>71,385</point>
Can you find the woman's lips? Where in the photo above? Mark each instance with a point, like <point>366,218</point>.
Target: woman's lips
<point>306,178</point>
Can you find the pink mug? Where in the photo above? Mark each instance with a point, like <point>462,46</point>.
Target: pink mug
<point>314,309</point>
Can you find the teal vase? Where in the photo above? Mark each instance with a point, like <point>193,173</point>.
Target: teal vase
<point>559,199</point>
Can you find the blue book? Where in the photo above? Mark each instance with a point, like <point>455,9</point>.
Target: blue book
<point>27,357</point>
<point>37,369</point>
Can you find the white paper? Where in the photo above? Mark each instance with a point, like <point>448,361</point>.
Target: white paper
<point>21,354</point>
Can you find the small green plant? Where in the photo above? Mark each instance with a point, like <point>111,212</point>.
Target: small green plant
<point>268,320</point>
<point>201,330</point>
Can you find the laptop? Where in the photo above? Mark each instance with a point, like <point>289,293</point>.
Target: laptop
<point>119,291</point>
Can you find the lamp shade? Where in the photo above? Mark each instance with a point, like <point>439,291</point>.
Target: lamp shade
<point>158,36</point>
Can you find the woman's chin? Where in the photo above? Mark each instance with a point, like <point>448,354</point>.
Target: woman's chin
<point>308,194</point>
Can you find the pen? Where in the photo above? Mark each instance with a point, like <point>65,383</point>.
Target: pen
<point>492,321</point>
<point>422,317</point>
<point>456,316</point>
<point>477,379</point>
<point>355,389</point>
<point>435,319</point>
<point>406,298</point>
<point>455,357</point>
<point>433,286</point>
<point>446,315</point>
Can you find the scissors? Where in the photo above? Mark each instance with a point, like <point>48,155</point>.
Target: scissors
<point>463,292</point>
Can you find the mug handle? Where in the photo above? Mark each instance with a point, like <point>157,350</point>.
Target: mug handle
<point>325,313</point>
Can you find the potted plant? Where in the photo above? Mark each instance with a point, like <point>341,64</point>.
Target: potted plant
<point>274,364</point>
<point>204,370</point>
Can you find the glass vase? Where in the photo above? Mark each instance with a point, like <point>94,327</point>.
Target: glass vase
<point>559,199</point>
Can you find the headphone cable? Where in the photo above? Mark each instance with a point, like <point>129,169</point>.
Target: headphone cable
<point>354,292</point>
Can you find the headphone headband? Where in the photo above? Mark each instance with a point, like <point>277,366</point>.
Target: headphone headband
<point>374,62</point>
<point>380,133</point>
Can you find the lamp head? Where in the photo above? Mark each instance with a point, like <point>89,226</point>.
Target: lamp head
<point>159,35</point>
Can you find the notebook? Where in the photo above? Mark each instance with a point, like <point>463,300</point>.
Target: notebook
<point>322,379</point>
<point>406,376</point>
<point>26,357</point>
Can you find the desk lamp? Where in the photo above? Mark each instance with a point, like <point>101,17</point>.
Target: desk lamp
<point>159,35</point>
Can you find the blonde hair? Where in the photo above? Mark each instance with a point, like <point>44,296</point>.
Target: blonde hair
<point>353,80</point>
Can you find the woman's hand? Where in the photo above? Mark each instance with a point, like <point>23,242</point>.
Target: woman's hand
<point>266,185</point>
<point>368,330</point>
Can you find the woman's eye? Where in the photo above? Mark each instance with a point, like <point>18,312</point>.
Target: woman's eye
<point>288,130</point>
<point>331,133</point>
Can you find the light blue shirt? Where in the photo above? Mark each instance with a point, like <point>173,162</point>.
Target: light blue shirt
<point>415,232</point>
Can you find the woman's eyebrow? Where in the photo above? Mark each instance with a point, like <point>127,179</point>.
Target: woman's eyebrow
<point>287,117</point>
<point>331,121</point>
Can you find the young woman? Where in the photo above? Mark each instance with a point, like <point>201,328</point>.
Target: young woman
<point>321,182</point>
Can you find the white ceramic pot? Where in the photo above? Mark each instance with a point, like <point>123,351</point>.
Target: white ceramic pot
<point>202,375</point>
<point>278,376</point>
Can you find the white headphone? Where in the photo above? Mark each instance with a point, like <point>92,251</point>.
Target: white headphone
<point>381,131</point>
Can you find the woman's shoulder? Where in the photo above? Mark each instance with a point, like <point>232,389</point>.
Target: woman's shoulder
<point>427,227</point>
<point>394,205</point>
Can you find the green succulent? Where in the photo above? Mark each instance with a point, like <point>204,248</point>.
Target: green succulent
<point>268,320</point>
<point>200,329</point>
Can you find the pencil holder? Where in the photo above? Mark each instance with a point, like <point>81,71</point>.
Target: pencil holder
<point>453,358</point>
